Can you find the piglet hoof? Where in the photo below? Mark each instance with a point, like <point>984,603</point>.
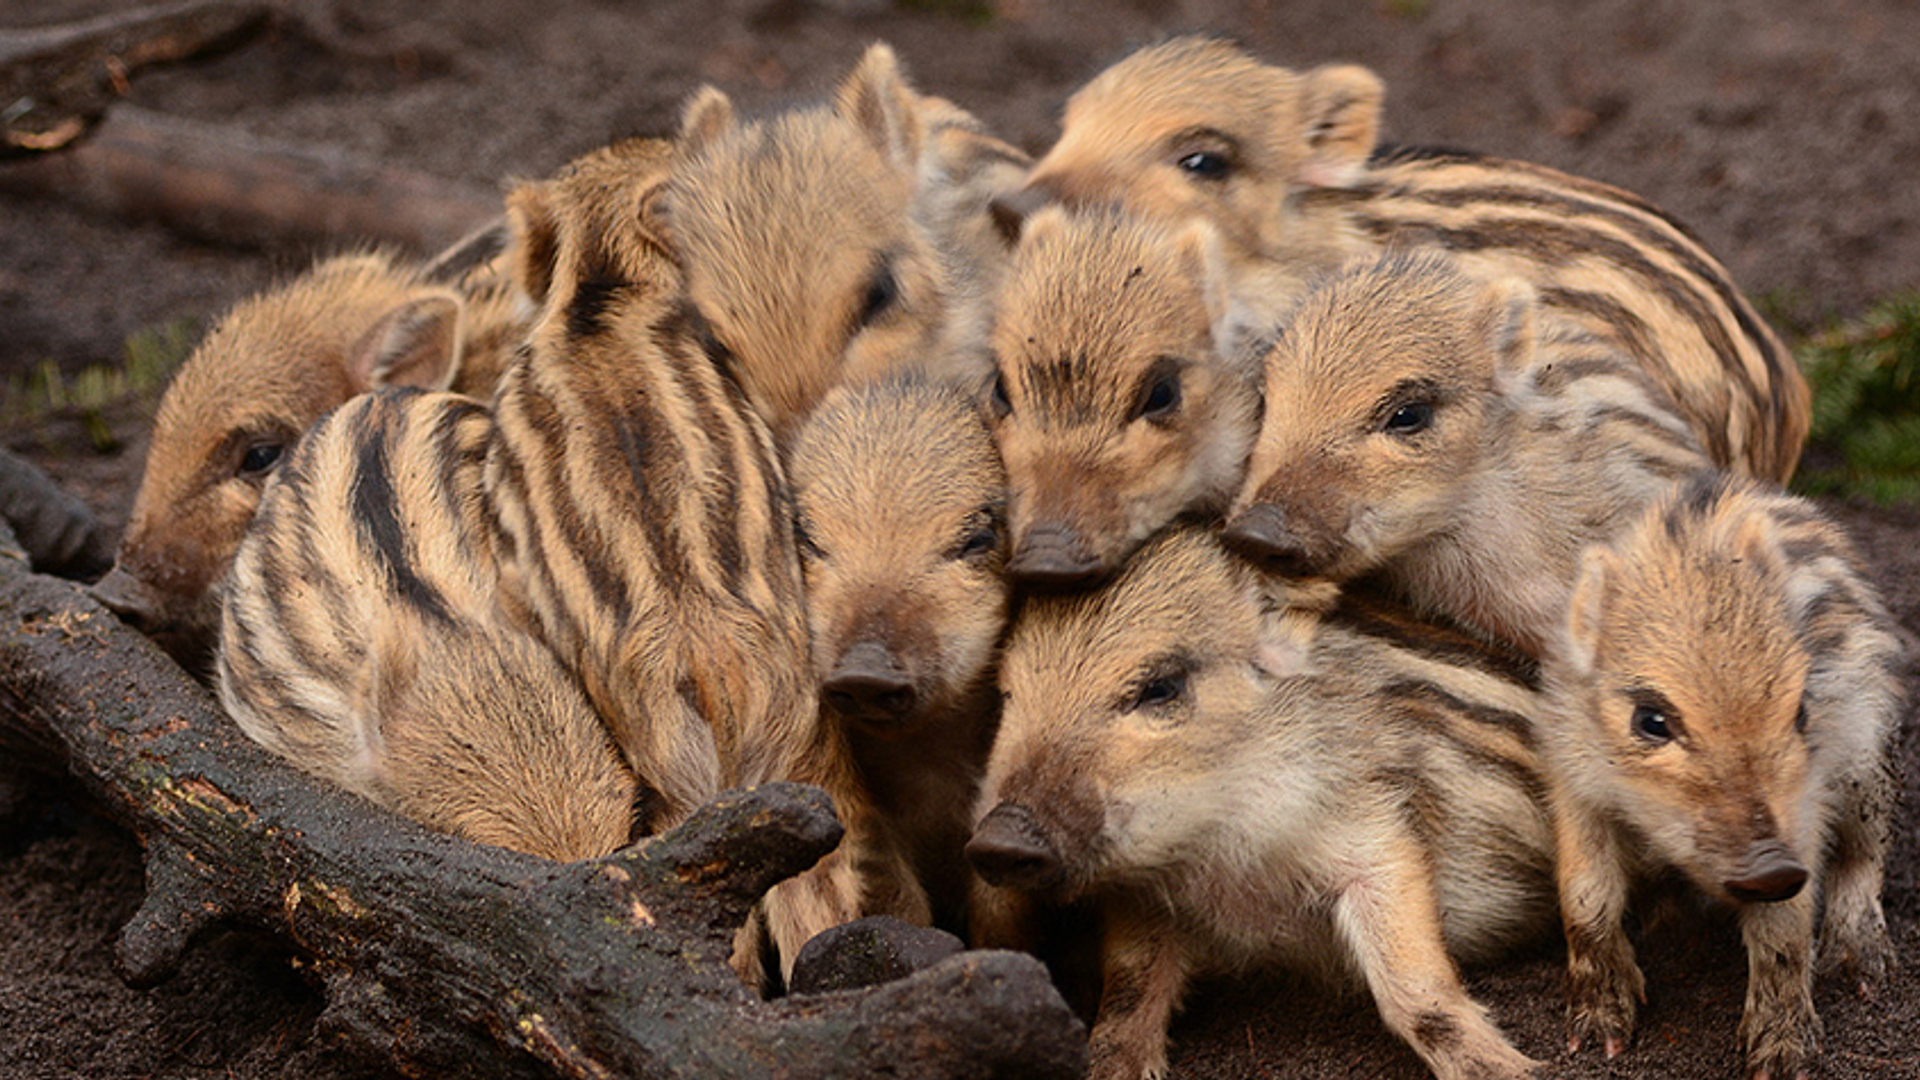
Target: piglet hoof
<point>1782,1040</point>
<point>868,952</point>
<point>1860,953</point>
<point>1601,1011</point>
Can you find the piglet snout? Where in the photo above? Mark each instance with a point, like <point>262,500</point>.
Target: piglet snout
<point>1770,873</point>
<point>1261,535</point>
<point>869,684</point>
<point>1010,849</point>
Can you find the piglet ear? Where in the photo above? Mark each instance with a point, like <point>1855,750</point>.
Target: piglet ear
<point>415,344</point>
<point>1043,226</point>
<point>1509,312</point>
<point>875,99</point>
<point>1586,610</point>
<point>1342,123</point>
<point>1290,614</point>
<point>656,223</point>
<point>707,115</point>
<point>1205,263</point>
<point>535,244</point>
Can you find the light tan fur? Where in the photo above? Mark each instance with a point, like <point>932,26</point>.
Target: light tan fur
<point>1237,778</point>
<point>272,366</point>
<point>1431,429</point>
<point>1285,164</point>
<point>963,168</point>
<point>1724,692</point>
<point>361,640</point>
<point>802,250</point>
<point>901,500</point>
<point>1121,398</point>
<point>647,528</point>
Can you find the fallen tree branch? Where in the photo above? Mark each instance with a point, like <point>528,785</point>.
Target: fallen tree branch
<point>450,957</point>
<point>57,531</point>
<point>226,187</point>
<point>57,81</point>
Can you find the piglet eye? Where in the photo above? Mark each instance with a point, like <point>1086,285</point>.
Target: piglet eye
<point>260,458</point>
<point>1652,724</point>
<point>979,543</point>
<point>1162,690</point>
<point>1002,407</point>
<point>1159,396</point>
<point>882,291</point>
<point>1410,419</point>
<point>804,538</point>
<point>1205,165</point>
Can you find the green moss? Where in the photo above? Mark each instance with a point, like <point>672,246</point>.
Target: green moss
<point>1865,375</point>
<point>149,358</point>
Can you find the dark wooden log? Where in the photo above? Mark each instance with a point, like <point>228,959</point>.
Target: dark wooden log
<point>224,186</point>
<point>57,81</point>
<point>452,958</point>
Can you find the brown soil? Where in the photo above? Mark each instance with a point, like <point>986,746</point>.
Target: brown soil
<point>1781,131</point>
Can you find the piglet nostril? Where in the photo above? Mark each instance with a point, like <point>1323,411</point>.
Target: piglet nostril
<point>1055,556</point>
<point>1769,874</point>
<point>1010,849</point>
<point>869,684</point>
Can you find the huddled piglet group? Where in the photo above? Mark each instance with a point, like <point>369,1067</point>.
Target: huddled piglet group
<point>1290,549</point>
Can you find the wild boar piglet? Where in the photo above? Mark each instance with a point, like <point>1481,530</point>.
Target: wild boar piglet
<point>901,504</point>
<point>1122,399</point>
<point>1428,428</point>
<point>1724,692</point>
<point>646,527</point>
<point>1234,778</point>
<point>361,642</point>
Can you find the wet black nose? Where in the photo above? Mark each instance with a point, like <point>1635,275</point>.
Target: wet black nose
<point>1769,874</point>
<point>1055,557</point>
<point>1259,534</point>
<point>870,684</point>
<point>1010,849</point>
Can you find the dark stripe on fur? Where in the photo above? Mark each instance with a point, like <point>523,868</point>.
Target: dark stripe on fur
<point>1367,614</point>
<point>1428,694</point>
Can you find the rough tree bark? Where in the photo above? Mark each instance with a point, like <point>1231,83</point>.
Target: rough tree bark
<point>450,957</point>
<point>57,81</point>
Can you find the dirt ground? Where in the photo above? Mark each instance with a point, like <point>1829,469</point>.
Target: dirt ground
<point>1784,133</point>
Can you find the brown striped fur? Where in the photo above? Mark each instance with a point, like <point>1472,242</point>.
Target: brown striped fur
<point>361,641</point>
<point>1431,429</point>
<point>1724,696</point>
<point>803,253</point>
<point>902,505</point>
<point>1238,778</point>
<point>1120,399</point>
<point>272,366</point>
<point>1285,163</point>
<point>647,529</point>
